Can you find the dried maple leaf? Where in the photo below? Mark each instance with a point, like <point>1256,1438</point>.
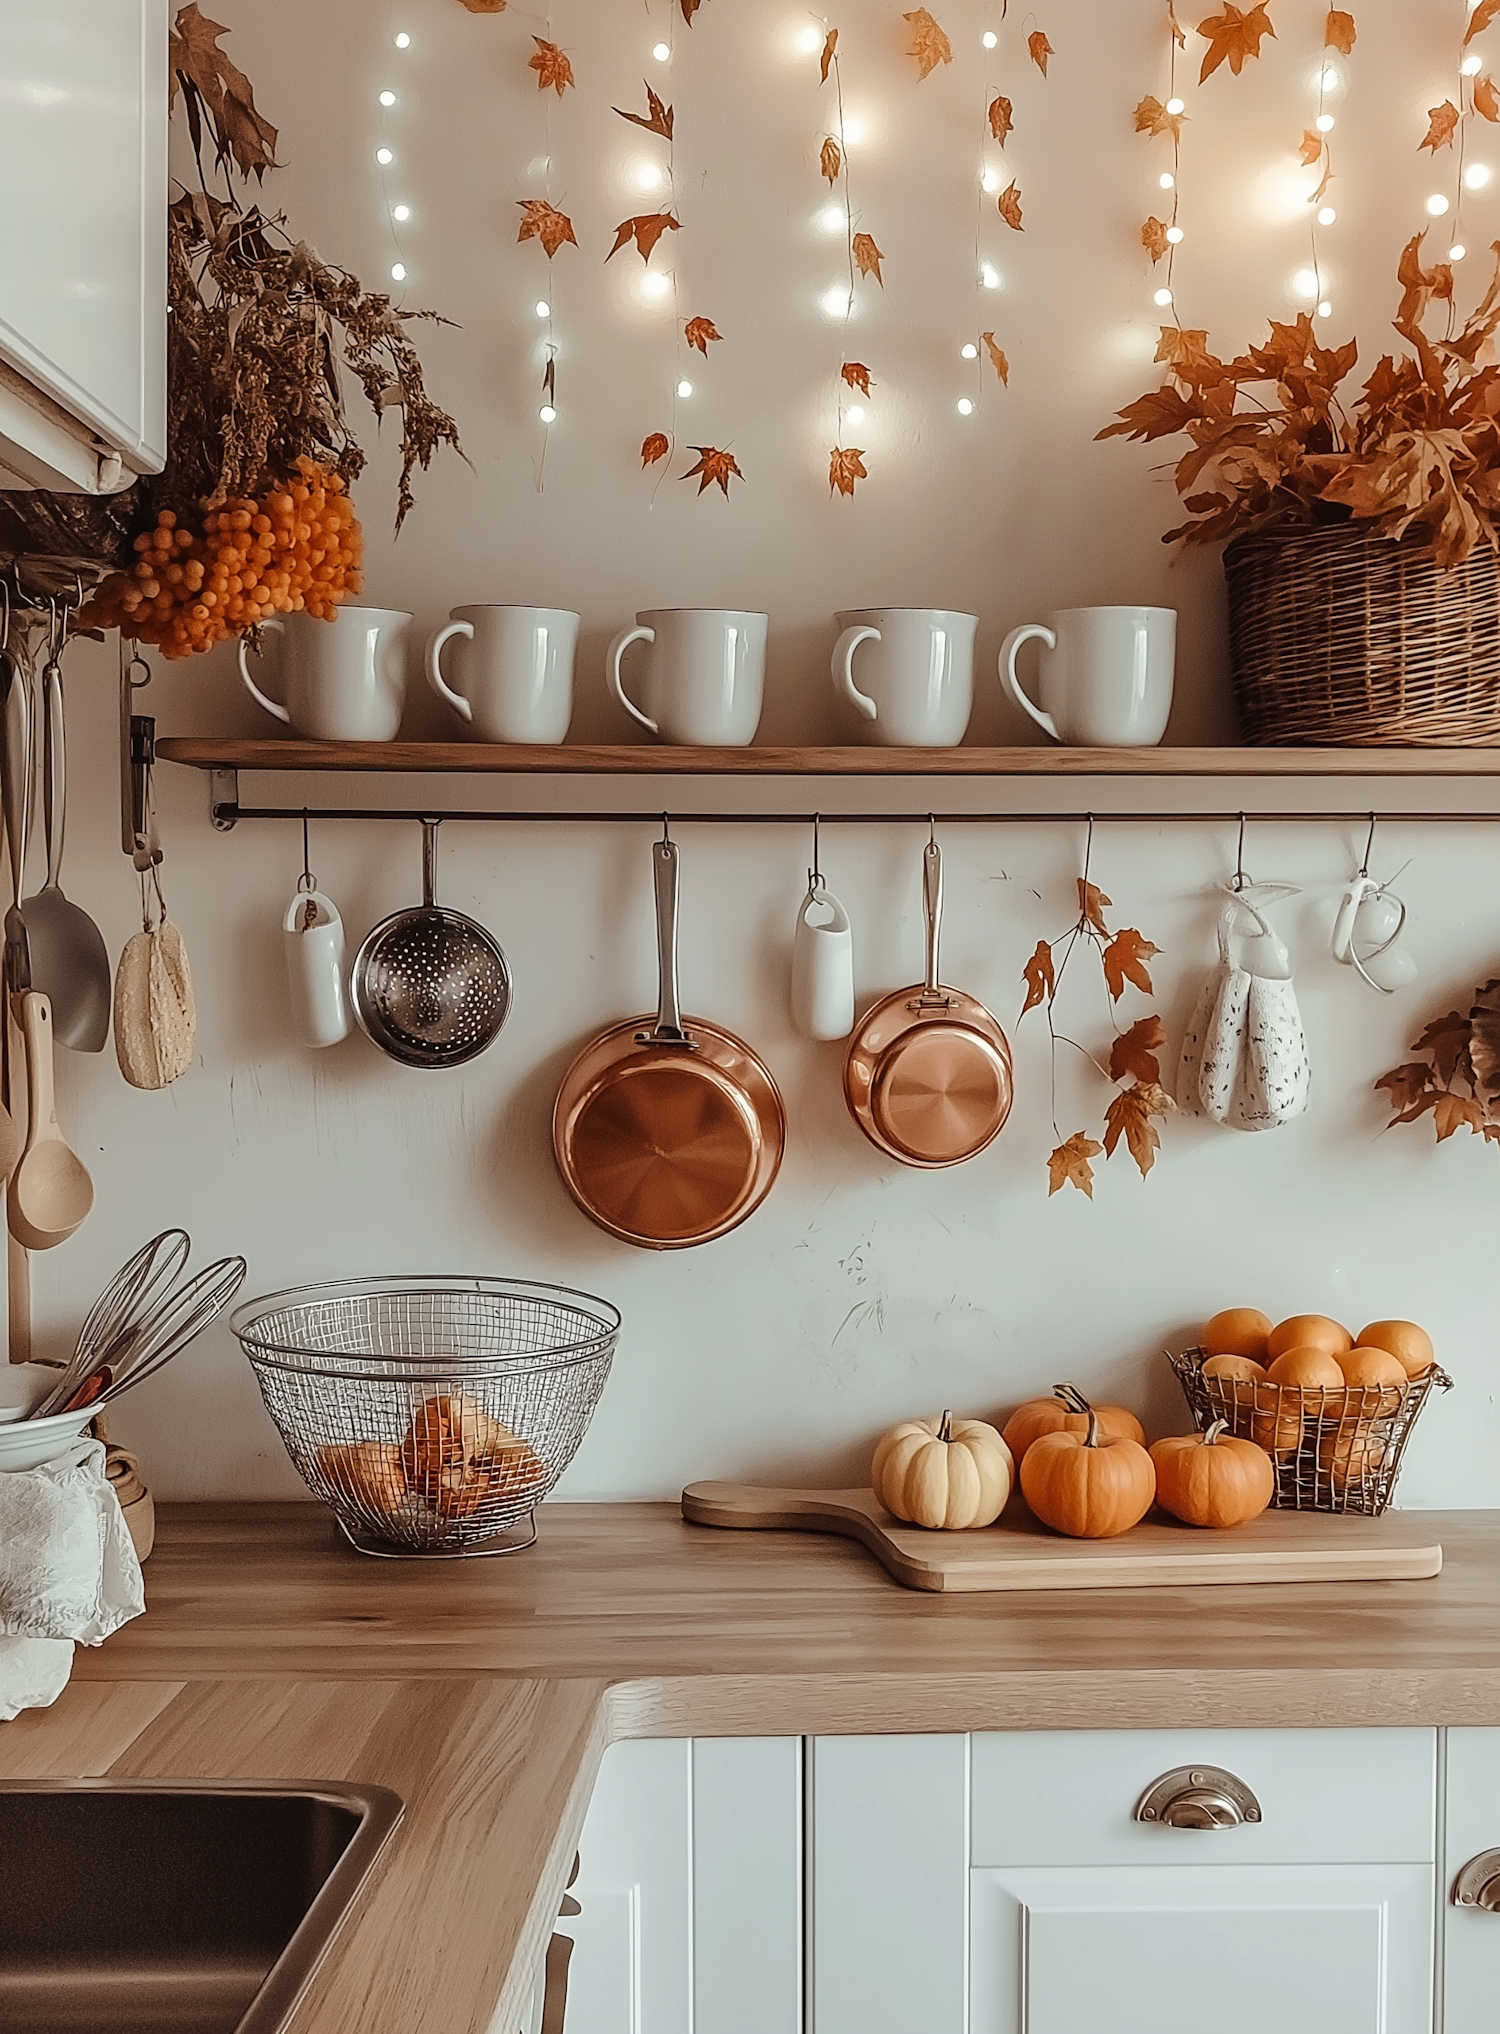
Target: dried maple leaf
<point>1092,904</point>
<point>1455,1112</point>
<point>1185,350</point>
<point>831,161</point>
<point>698,332</point>
<point>1001,123</point>
<point>1486,98</point>
<point>1151,117</point>
<point>1442,120</point>
<point>195,59</point>
<point>645,230</point>
<point>1338,31</point>
<point>997,359</point>
<point>689,9</point>
<point>551,67</point>
<point>1480,19</point>
<point>657,446</point>
<point>1154,238</point>
<point>1009,203</point>
<point>1446,1041</point>
<point>657,118</point>
<point>867,256</point>
<point>928,43</point>
<point>1134,1051</point>
<point>541,221</point>
<point>1311,148</point>
<point>713,465</point>
<point>1129,1116</point>
<point>1069,1164</point>
<point>1407,1084</point>
<point>485,6</point>
<point>830,45</point>
<point>1039,977</point>
<point>1125,961</point>
<point>846,464</point>
<point>857,375</point>
<point>1233,36</point>
<point>1039,50</point>
<point>1484,1041</point>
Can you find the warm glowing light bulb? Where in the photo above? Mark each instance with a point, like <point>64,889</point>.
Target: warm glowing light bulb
<point>1162,298</point>
<point>853,131</point>
<point>543,309</point>
<point>1472,65</point>
<point>654,284</point>
<point>403,40</point>
<point>1327,216</point>
<point>1176,106</point>
<point>1457,251</point>
<point>387,98</point>
<point>684,388</point>
<point>810,39</point>
<point>1166,180</point>
<point>647,176</point>
<point>1174,234</point>
<point>856,413</point>
<point>398,271</point>
<point>969,352</point>
<point>1329,78</point>
<point>990,180</point>
<point>1477,175</point>
<point>965,407</point>
<point>401,212</point>
<point>661,52</point>
<point>989,38</point>
<point>547,414</point>
<point>1305,283</point>
<point>835,302</point>
<point>1324,123</point>
<point>833,219</point>
<point>1437,205</point>
<point>384,155</point>
<point>1325,309</point>
<point>989,277</point>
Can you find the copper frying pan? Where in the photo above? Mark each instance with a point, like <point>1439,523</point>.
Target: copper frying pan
<point>669,1135</point>
<point>928,1073</point>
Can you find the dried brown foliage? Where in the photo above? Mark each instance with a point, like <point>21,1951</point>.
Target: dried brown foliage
<point>1009,203</point>
<point>217,95</point>
<point>1152,117</point>
<point>713,466</point>
<point>867,256</point>
<point>1442,122</point>
<point>1039,49</point>
<point>1458,1083</point>
<point>830,46</point>
<point>846,464</point>
<point>928,43</point>
<point>1001,122</point>
<point>856,375</point>
<point>831,160</point>
<point>1154,238</point>
<point>997,359</point>
<point>541,221</point>
<point>657,118</point>
<point>551,67</point>
<point>657,446</point>
<point>645,229</point>
<point>700,332</point>
<point>1338,31</point>
<point>1234,36</point>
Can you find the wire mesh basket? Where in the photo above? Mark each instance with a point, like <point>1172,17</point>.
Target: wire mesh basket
<point>431,1415</point>
<point>1334,1450</point>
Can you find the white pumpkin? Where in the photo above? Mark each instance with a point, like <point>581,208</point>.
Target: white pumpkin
<point>944,1473</point>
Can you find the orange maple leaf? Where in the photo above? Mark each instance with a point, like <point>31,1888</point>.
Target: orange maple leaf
<point>829,47</point>
<point>1001,123</point>
<point>485,6</point>
<point>1338,31</point>
<point>1038,976</point>
<point>831,161</point>
<point>657,118</point>
<point>867,256</point>
<point>645,230</point>
<point>846,464</point>
<point>1233,36</point>
<point>1009,204</point>
<point>857,375</point>
<point>1312,146</point>
<point>541,221</point>
<point>698,332</point>
<point>1129,1116</point>
<point>1125,961</point>
<point>1442,121</point>
<point>1069,1164</point>
<point>1040,49</point>
<point>1406,1084</point>
<point>1160,413</point>
<point>689,9</point>
<point>1480,19</point>
<point>1455,1112</point>
<point>551,67</point>
<point>713,465</point>
<point>928,43</point>
<point>1134,1051</point>
<point>997,359</point>
<point>1486,98</point>
<point>1154,238</point>
<point>1092,903</point>
<point>1151,117</point>
<point>657,446</point>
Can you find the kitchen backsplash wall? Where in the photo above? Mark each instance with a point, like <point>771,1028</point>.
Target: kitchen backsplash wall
<point>861,1291</point>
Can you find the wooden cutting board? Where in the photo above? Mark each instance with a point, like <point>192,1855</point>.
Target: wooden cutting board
<point>1018,1553</point>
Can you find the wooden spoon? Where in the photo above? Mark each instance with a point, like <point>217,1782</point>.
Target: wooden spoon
<point>51,1191</point>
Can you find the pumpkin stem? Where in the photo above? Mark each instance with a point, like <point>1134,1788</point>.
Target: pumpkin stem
<point>1213,1431</point>
<point>1071,1397</point>
<point>1091,1438</point>
<point>945,1426</point>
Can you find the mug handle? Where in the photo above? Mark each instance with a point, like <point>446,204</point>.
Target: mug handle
<point>842,668</point>
<point>1012,683</point>
<point>435,679</point>
<point>616,651</point>
<point>271,622</point>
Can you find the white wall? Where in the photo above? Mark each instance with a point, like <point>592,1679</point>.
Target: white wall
<point>861,1291</point>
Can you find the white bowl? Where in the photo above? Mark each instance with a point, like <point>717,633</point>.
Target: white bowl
<point>27,1444</point>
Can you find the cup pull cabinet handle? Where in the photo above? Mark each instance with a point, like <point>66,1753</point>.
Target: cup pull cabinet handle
<point>1199,1797</point>
<point>1478,1884</point>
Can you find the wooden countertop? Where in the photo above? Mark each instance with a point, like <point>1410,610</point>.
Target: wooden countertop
<point>485,1692</point>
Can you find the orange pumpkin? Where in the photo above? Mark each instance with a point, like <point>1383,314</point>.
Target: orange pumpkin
<point>1090,1485</point>
<point>1210,1479</point>
<point>1066,1412</point>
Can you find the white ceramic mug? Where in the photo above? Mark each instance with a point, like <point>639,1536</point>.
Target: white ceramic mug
<point>705,674</point>
<point>514,681</point>
<point>314,946</point>
<point>1106,674</point>
<point>344,680</point>
<point>917,672</point>
<point>823,967</point>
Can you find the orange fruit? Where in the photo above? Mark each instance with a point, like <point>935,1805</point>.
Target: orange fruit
<point>1234,1369</point>
<point>1411,1345</point>
<point>1307,1369</point>
<point>1238,1331</point>
<point>1377,1373</point>
<point>1279,1432</point>
<point>1308,1331</point>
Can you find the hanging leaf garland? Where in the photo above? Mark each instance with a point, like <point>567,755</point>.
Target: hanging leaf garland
<point>543,222</point>
<point>831,160</point>
<point>1039,50</point>
<point>867,256</point>
<point>1155,118</point>
<point>699,332</point>
<point>551,67</point>
<point>714,466</point>
<point>1234,37</point>
<point>846,463</point>
<point>655,447</point>
<point>1009,203</point>
<point>657,118</point>
<point>928,43</point>
<point>997,359</point>
<point>645,229</point>
<point>855,374</point>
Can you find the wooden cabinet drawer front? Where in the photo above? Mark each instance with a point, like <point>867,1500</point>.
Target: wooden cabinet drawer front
<point>1326,1796</point>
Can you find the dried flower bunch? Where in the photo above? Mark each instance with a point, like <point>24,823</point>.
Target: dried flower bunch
<point>1418,453</point>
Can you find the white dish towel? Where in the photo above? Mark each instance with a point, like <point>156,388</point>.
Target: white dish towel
<point>68,1573</point>
<point>1244,1056</point>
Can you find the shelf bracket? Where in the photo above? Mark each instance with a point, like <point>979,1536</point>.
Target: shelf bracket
<point>223,799</point>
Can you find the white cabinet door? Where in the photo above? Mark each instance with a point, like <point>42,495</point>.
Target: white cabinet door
<point>888,1818</point>
<point>1170,1949</point>
<point>747,1885</point>
<point>1471,1948</point>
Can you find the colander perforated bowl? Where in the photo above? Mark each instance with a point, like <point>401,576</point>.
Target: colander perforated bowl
<point>431,1415</point>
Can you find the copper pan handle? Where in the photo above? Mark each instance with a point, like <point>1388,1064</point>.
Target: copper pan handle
<point>932,905</point>
<point>668,1029</point>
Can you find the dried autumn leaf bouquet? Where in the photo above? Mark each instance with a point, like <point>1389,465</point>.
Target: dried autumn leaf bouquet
<point>1276,446</point>
<point>1458,1082</point>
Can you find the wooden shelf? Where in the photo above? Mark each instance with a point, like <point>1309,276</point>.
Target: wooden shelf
<point>586,759</point>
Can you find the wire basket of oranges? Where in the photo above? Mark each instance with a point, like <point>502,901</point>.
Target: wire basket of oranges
<point>1333,1411</point>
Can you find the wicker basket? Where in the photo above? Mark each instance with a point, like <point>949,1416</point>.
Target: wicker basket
<point>1333,1450</point>
<point>1339,639</point>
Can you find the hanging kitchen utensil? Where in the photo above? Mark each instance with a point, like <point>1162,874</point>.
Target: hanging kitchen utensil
<point>51,1192</point>
<point>1244,1056</point>
<point>11,678</point>
<point>113,1322</point>
<point>670,1135</point>
<point>156,1019</point>
<point>430,987</point>
<point>15,768</point>
<point>822,961</point>
<point>1366,926</point>
<point>313,943</point>
<point>928,1073</point>
<point>69,963</point>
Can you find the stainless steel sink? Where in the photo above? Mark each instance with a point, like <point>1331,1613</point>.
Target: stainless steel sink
<point>174,1907</point>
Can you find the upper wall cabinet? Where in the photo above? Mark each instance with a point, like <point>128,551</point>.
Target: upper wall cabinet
<point>83,147</point>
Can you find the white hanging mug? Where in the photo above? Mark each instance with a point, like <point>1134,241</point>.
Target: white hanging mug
<point>314,947</point>
<point>705,674</point>
<point>1106,674</point>
<point>514,681</point>
<point>344,680</point>
<point>823,967</point>
<point>917,673</point>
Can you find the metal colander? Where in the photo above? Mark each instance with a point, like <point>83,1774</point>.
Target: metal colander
<point>431,1415</point>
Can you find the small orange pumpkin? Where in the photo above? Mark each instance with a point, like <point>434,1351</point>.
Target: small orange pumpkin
<point>947,1474</point>
<point>1090,1485</point>
<point>1066,1412</point>
<point>1210,1479</point>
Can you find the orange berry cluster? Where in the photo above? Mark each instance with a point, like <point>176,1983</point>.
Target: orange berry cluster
<point>296,549</point>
